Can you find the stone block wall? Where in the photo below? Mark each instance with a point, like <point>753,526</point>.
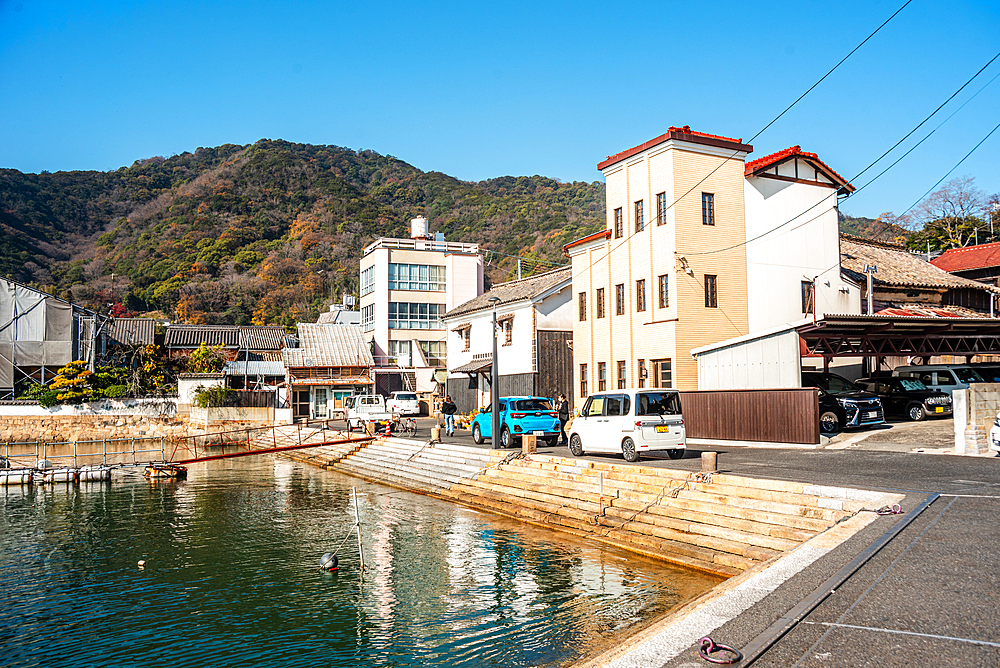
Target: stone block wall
<point>55,429</point>
<point>984,404</point>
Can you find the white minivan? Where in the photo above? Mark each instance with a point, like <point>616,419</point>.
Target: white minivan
<point>630,421</point>
<point>941,377</point>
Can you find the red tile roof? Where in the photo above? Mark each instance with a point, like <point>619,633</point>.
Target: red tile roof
<point>684,134</point>
<point>590,237</point>
<point>761,164</point>
<point>970,257</point>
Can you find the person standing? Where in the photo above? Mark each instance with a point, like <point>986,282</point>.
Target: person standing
<point>448,409</point>
<point>562,406</point>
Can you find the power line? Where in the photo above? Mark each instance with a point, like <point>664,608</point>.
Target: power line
<point>981,141</point>
<point>790,220</point>
<point>772,122</point>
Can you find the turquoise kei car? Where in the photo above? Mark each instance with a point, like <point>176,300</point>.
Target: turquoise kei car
<point>519,416</point>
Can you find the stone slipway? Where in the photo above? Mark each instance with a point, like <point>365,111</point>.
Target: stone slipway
<point>748,529</point>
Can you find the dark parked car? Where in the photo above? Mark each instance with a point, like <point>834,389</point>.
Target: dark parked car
<point>842,404</point>
<point>908,397</point>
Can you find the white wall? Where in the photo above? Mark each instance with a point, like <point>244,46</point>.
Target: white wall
<point>555,312</point>
<point>765,362</point>
<point>806,247</point>
<point>187,386</point>
<point>146,407</point>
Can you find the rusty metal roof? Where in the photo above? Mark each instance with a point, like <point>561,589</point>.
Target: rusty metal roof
<point>329,345</point>
<point>192,336</point>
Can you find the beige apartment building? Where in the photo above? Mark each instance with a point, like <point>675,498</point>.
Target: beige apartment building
<point>669,273</point>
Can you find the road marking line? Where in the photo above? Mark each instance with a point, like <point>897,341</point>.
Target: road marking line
<point>906,633</point>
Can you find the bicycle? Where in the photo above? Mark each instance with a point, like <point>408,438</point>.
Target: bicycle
<point>405,426</point>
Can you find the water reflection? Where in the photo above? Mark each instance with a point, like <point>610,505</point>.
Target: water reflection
<point>231,577</point>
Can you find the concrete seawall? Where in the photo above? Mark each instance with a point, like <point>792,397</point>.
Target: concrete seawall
<point>716,523</point>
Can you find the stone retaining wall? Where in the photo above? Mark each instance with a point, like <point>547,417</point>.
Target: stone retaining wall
<point>55,429</point>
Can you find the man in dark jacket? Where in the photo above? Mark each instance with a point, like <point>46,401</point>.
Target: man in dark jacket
<point>448,409</point>
<point>562,406</point>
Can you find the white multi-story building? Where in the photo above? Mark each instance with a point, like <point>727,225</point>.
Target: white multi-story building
<point>407,285</point>
<point>700,247</point>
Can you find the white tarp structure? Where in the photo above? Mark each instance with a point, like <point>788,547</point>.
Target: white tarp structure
<point>36,331</point>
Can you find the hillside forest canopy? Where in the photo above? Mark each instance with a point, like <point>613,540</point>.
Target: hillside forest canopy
<point>273,232</point>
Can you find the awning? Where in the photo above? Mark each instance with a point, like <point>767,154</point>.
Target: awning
<point>475,366</point>
<point>332,381</point>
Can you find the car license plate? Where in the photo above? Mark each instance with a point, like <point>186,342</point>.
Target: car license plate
<point>538,433</point>
<point>871,414</point>
<point>662,429</point>
<point>939,409</point>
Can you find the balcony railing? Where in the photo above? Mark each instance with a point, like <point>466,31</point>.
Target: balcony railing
<point>422,244</point>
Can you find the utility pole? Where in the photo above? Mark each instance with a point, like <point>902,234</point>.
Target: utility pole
<point>495,379</point>
<point>871,270</point>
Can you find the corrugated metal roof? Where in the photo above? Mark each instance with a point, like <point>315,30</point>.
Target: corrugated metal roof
<point>192,336</point>
<point>514,291</point>
<point>131,331</point>
<point>329,345</point>
<point>897,266</point>
<point>254,368</point>
<point>270,337</point>
<point>245,337</point>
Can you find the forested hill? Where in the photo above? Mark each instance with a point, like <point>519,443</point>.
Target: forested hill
<point>266,233</point>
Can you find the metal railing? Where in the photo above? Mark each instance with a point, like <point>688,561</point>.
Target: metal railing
<point>77,453</point>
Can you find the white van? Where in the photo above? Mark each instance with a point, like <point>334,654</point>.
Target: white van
<point>403,403</point>
<point>364,408</point>
<point>941,377</point>
<point>630,421</point>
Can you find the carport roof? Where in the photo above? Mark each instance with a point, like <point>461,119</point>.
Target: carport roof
<point>888,335</point>
<point>849,335</point>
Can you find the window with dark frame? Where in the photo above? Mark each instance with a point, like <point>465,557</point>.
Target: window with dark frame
<point>663,290</point>
<point>602,376</point>
<point>661,209</point>
<point>620,299</point>
<point>619,223</point>
<point>621,374</point>
<point>707,209</point>
<point>641,365</point>
<point>640,219</point>
<point>711,291</point>
<point>508,330</point>
<point>583,306</point>
<point>599,303</point>
<point>662,373</point>
<point>640,295</point>
<point>808,296</point>
<point>583,380</point>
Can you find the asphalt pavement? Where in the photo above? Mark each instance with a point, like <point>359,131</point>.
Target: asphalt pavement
<point>929,597</point>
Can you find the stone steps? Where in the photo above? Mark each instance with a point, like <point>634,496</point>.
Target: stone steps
<point>720,524</point>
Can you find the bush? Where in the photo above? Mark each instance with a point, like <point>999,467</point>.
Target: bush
<point>215,397</point>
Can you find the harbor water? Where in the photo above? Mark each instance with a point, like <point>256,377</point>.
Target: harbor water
<point>230,576</point>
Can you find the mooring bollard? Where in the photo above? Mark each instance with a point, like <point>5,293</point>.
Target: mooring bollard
<point>709,462</point>
<point>435,433</point>
<point>529,444</point>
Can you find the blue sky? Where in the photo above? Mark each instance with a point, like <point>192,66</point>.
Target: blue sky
<point>478,90</point>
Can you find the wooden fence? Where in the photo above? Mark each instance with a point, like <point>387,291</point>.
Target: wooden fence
<point>773,416</point>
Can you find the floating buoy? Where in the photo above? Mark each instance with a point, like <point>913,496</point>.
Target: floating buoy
<point>328,562</point>
<point>166,471</point>
<point>142,563</point>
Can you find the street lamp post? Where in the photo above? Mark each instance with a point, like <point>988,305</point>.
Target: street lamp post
<point>495,378</point>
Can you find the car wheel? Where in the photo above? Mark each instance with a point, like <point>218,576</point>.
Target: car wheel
<point>505,438</point>
<point>916,412</point>
<point>829,423</point>
<point>628,450</point>
<point>477,435</point>
<point>575,445</point>
<point>676,453</point>
<point>552,442</point>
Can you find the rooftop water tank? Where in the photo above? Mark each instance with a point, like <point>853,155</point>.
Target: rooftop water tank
<point>418,228</point>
